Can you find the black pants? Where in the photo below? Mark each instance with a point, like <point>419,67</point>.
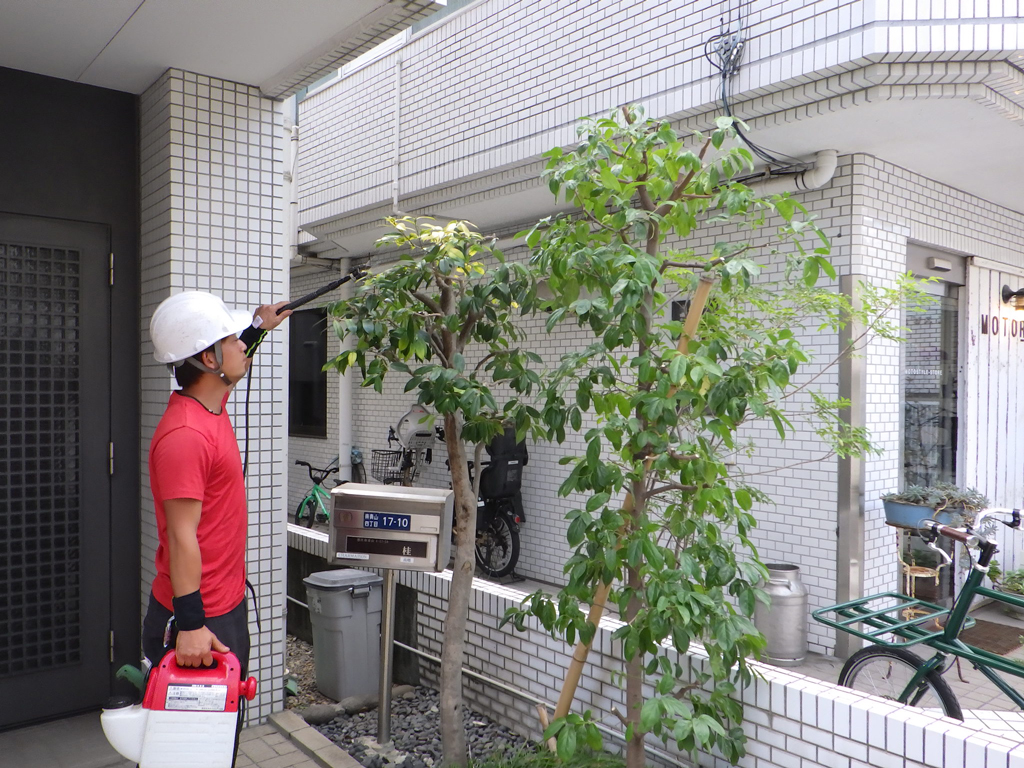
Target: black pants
<point>231,628</point>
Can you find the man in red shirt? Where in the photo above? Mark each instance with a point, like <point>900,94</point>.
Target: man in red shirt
<point>197,480</point>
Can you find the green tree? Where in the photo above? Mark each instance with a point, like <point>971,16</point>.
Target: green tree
<point>667,521</point>
<point>449,290</point>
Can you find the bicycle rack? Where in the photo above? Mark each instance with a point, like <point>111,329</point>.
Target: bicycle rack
<point>912,630</point>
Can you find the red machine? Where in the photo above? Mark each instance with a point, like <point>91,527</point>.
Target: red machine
<point>188,717</point>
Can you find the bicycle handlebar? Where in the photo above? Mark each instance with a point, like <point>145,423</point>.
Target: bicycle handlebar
<point>324,473</point>
<point>964,537</point>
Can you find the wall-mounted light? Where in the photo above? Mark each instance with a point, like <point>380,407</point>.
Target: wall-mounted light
<point>1014,298</point>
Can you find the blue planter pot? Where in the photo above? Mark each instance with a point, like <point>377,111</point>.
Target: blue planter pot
<point>912,515</point>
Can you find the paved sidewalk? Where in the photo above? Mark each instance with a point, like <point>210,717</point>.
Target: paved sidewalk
<point>285,741</point>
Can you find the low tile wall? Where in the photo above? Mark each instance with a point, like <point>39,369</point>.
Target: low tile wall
<point>792,721</point>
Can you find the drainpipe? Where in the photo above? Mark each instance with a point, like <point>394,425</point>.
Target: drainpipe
<point>824,169</point>
<point>292,190</point>
<point>397,136</point>
<point>345,395</point>
<point>290,187</point>
<point>850,480</point>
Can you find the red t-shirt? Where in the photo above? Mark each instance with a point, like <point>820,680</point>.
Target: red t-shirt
<point>194,455</point>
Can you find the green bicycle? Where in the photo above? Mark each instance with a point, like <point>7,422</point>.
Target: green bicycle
<point>888,669</point>
<point>316,506</point>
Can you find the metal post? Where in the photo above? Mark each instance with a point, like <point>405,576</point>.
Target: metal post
<point>387,652</point>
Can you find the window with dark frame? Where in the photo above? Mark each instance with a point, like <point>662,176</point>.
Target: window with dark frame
<point>307,380</point>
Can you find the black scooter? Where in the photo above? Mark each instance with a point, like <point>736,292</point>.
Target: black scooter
<point>499,511</point>
<point>500,504</point>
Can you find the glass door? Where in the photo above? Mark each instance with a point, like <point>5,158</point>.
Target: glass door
<point>929,389</point>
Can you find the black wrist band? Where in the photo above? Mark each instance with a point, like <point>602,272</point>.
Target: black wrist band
<point>252,337</point>
<point>189,613</point>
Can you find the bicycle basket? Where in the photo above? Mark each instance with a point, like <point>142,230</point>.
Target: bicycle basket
<point>386,466</point>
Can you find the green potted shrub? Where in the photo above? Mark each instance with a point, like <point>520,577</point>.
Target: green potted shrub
<point>1010,583</point>
<point>944,502</point>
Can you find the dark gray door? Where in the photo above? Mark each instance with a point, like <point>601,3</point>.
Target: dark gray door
<point>54,480</point>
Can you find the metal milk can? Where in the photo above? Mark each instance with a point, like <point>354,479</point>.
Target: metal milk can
<point>784,622</point>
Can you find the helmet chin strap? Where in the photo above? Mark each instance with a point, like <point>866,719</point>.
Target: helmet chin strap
<point>218,371</point>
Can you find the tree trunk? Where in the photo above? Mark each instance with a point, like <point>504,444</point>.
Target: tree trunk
<point>635,757</point>
<point>453,732</point>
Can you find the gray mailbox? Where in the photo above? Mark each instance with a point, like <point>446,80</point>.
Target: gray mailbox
<point>388,526</point>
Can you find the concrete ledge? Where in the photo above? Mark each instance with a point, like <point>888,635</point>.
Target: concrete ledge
<point>311,741</point>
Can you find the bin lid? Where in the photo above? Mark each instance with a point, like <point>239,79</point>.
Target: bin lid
<point>342,578</point>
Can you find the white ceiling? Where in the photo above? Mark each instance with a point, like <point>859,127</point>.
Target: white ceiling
<point>127,44</point>
<point>958,142</point>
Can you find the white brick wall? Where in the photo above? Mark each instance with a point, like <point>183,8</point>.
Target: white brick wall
<point>869,210</point>
<point>318,451</point>
<point>790,720</point>
<point>211,159</point>
<point>499,83</point>
<point>488,90</point>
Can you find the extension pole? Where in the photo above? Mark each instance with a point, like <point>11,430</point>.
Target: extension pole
<point>579,656</point>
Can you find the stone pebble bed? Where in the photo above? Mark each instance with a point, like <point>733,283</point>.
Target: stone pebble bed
<point>415,723</point>
<point>416,733</point>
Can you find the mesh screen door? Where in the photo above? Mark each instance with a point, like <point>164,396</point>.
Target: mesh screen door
<point>54,517</point>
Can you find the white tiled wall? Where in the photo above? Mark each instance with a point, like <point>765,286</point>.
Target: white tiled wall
<point>484,93</point>
<point>211,158</point>
<point>869,211</point>
<point>499,83</point>
<point>318,451</point>
<point>789,719</point>
<point>896,206</point>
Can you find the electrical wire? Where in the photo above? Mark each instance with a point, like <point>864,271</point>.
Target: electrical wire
<point>729,49</point>
<point>248,391</point>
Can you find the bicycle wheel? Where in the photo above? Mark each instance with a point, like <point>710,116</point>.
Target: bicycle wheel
<point>308,508</point>
<point>886,672</point>
<point>497,547</point>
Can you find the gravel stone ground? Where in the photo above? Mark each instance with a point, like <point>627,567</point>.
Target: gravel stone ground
<point>415,723</point>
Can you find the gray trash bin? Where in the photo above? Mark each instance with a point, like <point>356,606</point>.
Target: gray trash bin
<point>345,610</point>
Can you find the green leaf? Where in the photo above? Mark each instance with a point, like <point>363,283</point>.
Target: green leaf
<point>743,499</point>
<point>785,206</point>
<point>650,714</point>
<point>811,272</point>
<point>577,530</point>
<point>575,419</point>
<point>554,728</point>
<point>677,370</point>
<point>747,601</point>
<point>566,744</point>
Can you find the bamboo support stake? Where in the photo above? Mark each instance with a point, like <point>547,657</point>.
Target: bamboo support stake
<point>542,713</point>
<point>579,655</point>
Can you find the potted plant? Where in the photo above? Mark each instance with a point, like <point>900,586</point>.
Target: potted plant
<point>1010,583</point>
<point>944,502</point>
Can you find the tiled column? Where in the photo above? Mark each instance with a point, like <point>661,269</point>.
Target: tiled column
<point>212,163</point>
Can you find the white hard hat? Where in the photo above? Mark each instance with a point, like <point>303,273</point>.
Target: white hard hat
<point>187,323</point>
